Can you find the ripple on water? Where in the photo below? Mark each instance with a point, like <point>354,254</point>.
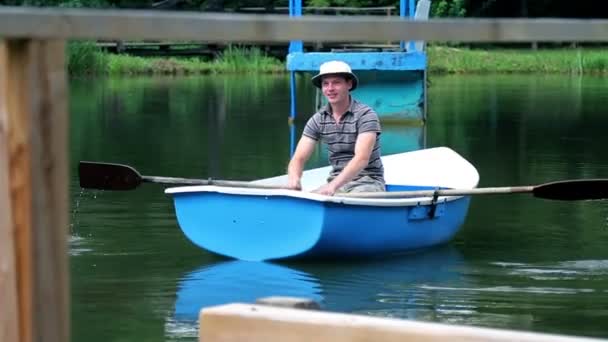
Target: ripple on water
<point>180,330</point>
<point>563,270</point>
<point>76,245</point>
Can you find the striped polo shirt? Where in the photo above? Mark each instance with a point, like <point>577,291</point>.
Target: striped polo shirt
<point>341,137</point>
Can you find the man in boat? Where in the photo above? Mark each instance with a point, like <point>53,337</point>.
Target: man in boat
<point>351,131</point>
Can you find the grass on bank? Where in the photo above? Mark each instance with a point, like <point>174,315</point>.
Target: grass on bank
<point>564,60</point>
<point>87,59</point>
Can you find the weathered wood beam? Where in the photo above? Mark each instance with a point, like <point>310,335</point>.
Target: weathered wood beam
<point>9,319</point>
<point>22,22</point>
<point>253,323</point>
<point>34,188</point>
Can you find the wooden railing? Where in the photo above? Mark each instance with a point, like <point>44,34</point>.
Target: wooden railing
<point>31,23</point>
<point>34,295</point>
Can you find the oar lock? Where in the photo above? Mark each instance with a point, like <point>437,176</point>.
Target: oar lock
<point>433,207</point>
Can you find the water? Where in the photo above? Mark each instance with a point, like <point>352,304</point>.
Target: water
<point>519,262</point>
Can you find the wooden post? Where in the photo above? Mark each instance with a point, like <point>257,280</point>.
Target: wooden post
<point>33,191</point>
<point>9,320</point>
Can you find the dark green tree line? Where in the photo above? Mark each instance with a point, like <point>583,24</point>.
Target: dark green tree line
<point>440,8</point>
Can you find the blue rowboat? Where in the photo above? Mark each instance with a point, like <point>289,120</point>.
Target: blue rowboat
<point>271,224</point>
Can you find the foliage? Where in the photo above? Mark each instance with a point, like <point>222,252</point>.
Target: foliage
<point>58,3</point>
<point>440,8</point>
<point>448,8</point>
<point>85,58</point>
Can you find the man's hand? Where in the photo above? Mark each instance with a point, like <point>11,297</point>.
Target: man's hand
<point>296,164</point>
<point>293,183</point>
<point>327,189</point>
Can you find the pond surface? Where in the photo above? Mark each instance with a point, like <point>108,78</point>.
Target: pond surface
<point>519,262</point>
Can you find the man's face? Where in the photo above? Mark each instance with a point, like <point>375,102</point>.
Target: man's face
<point>336,88</point>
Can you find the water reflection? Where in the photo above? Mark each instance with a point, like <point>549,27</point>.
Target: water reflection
<point>402,286</point>
<point>396,137</point>
<point>240,281</point>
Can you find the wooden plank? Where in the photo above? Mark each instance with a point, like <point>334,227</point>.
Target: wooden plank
<point>50,186</point>
<point>19,189</point>
<point>35,104</point>
<point>9,319</point>
<point>252,323</point>
<point>20,22</point>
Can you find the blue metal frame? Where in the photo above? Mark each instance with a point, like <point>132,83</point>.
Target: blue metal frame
<point>389,79</point>
<point>292,113</point>
<point>292,93</point>
<point>410,8</point>
<point>412,12</point>
<point>295,10</point>
<point>295,46</point>
<point>402,7</point>
<point>393,61</point>
<point>292,138</point>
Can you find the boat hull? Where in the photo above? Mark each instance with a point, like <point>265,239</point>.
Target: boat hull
<point>249,227</point>
<point>257,227</point>
<point>368,231</point>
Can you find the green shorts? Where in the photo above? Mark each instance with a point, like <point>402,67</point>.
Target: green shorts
<point>363,184</point>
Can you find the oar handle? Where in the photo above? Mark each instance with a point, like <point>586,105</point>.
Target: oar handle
<point>442,192</point>
<point>189,181</point>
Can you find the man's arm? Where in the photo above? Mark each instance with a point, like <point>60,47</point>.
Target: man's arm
<point>303,151</point>
<point>363,149</point>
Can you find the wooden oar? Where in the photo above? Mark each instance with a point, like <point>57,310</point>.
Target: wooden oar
<point>566,190</point>
<point>107,176</point>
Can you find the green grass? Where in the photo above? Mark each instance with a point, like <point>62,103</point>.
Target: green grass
<point>234,60</point>
<point>86,59</point>
<point>565,61</point>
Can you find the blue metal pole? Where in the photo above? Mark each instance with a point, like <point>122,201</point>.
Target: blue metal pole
<point>295,10</point>
<point>292,112</point>
<point>402,15</point>
<point>292,139</point>
<point>412,13</point>
<point>292,90</point>
<point>411,8</point>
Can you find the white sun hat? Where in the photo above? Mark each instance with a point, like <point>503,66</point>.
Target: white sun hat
<point>335,68</point>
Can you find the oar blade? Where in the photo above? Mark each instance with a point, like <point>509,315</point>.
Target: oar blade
<point>106,176</point>
<point>573,190</point>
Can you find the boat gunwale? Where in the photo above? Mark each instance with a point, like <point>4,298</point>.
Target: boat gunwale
<point>378,202</point>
